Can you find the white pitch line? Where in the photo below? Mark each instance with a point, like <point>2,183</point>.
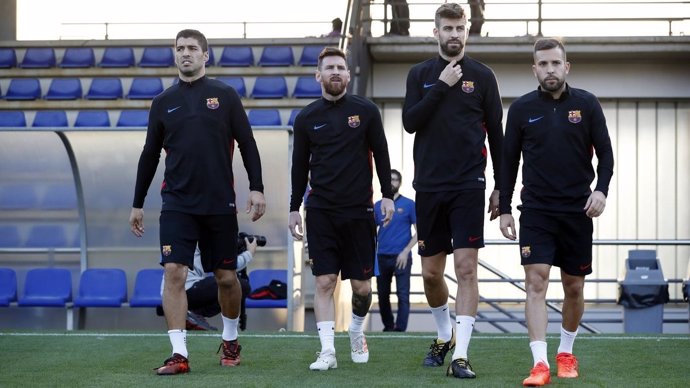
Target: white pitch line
<point>594,337</point>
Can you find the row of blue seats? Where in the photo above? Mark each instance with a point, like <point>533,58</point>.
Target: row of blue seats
<point>53,196</point>
<point>127,118</point>
<point>146,88</point>
<point>44,236</point>
<point>107,287</point>
<point>84,57</point>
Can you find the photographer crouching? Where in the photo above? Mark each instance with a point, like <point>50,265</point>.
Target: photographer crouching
<point>202,290</point>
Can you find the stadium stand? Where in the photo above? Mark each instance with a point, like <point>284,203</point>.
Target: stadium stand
<point>145,88</point>
<point>310,55</point>
<point>262,277</point>
<point>293,114</point>
<point>133,118</point>
<point>18,196</point>
<point>8,286</point>
<point>12,118</point>
<point>8,58</point>
<point>307,87</point>
<point>50,118</point>
<point>102,287</point>
<point>64,89</point>
<point>105,89</point>
<point>92,118</point>
<point>237,83</point>
<point>211,58</point>
<point>24,89</point>
<point>47,236</point>
<point>236,56</point>
<point>157,57</point>
<point>270,87</point>
<point>264,117</point>
<point>47,287</point>
<point>78,57</point>
<point>117,57</point>
<point>38,57</point>
<point>277,56</point>
<point>9,236</point>
<point>147,288</point>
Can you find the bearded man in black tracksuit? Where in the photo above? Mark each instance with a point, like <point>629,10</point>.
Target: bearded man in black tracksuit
<point>335,139</point>
<point>197,121</point>
<point>452,104</point>
<point>557,129</point>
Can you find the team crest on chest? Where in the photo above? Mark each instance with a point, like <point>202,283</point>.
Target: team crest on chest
<point>468,86</point>
<point>574,116</point>
<point>212,103</point>
<point>353,121</point>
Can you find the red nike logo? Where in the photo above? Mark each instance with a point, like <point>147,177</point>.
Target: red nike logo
<point>584,267</point>
<point>228,261</point>
<point>474,238</point>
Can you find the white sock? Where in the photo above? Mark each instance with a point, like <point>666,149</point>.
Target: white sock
<point>357,324</point>
<point>567,340</point>
<point>327,336</point>
<point>444,327</point>
<point>463,332</point>
<point>230,328</point>
<point>539,352</point>
<point>178,339</point>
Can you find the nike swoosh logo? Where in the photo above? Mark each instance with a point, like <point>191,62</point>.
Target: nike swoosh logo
<point>317,127</point>
<point>531,120</point>
<point>170,110</point>
<point>584,267</point>
<point>427,86</point>
<point>473,238</point>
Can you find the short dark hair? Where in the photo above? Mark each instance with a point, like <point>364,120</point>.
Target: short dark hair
<point>448,11</point>
<point>195,34</point>
<point>331,52</point>
<point>548,44</point>
<point>396,172</point>
<point>337,24</point>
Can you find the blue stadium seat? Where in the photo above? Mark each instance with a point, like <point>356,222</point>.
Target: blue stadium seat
<point>50,118</point>
<point>24,89</point>
<point>78,57</point>
<point>262,277</point>
<point>145,88</point>
<point>293,114</point>
<point>18,196</point>
<point>92,118</point>
<point>211,58</point>
<point>47,287</point>
<point>133,118</point>
<point>307,87</point>
<point>270,87</point>
<point>47,236</point>
<point>12,118</point>
<point>38,57</point>
<point>277,56</point>
<point>237,83</point>
<point>236,56</point>
<point>9,236</point>
<point>310,55</point>
<point>8,58</point>
<point>64,89</point>
<point>147,288</point>
<point>8,286</point>
<point>59,196</point>
<point>157,57</point>
<point>117,57</point>
<point>264,117</point>
<point>105,89</point>
<point>102,287</point>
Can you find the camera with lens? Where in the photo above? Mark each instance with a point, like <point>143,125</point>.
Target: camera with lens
<point>242,246</point>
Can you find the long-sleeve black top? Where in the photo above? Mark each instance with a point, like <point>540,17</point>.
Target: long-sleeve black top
<point>451,125</point>
<point>557,139</point>
<point>334,141</point>
<point>197,123</point>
